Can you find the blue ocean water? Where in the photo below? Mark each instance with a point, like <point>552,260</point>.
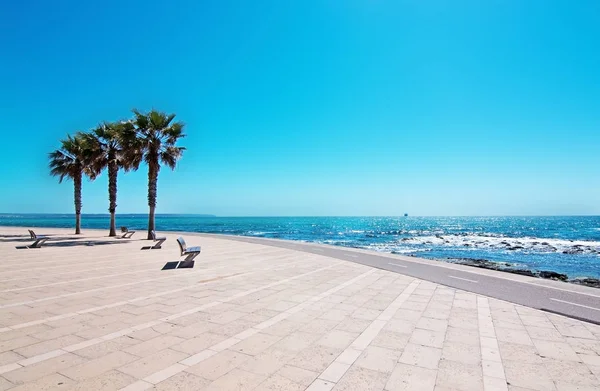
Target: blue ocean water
<point>569,245</point>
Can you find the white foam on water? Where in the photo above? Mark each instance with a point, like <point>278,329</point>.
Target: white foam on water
<point>498,242</point>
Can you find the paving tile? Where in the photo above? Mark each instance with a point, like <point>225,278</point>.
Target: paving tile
<point>391,340</point>
<point>493,369</point>
<point>218,365</point>
<point>43,368</point>
<point>591,360</point>
<point>378,359</point>
<point>494,384</point>
<point>459,376</point>
<point>153,363</point>
<point>106,347</point>
<point>513,336</point>
<point>111,380</point>
<point>408,378</point>
<point>548,334</point>
<point>467,354</point>
<point>16,343</point>
<point>321,385</point>
<point>183,381</point>
<point>571,372</point>
<point>584,346</point>
<point>337,339</point>
<point>153,345</point>
<point>267,362</point>
<point>430,338</point>
<point>469,337</point>
<point>432,324</point>
<point>315,358</point>
<point>48,345</point>
<point>519,353</point>
<point>199,343</point>
<point>352,325</point>
<point>279,383</point>
<point>530,376</point>
<point>53,381</point>
<point>5,384</point>
<point>361,379</point>
<point>99,365</point>
<point>421,356</point>
<point>236,380</point>
<point>298,375</point>
<point>297,341</point>
<point>9,358</point>
<point>255,344</point>
<point>334,372</point>
<point>557,350</point>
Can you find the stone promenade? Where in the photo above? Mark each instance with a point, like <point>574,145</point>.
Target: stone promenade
<point>95,313</point>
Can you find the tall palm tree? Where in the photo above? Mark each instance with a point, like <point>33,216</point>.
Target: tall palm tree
<point>157,136</point>
<point>107,145</point>
<point>71,161</point>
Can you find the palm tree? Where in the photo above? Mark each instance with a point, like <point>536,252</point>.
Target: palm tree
<point>71,161</point>
<point>107,144</point>
<point>157,135</point>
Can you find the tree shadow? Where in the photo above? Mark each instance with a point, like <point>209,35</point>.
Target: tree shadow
<point>76,243</point>
<point>24,238</point>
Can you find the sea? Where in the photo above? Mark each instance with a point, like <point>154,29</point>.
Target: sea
<point>568,245</point>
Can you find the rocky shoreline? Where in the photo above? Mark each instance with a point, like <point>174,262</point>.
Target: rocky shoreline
<point>509,268</point>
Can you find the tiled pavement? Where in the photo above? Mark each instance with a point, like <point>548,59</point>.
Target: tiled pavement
<point>81,315</point>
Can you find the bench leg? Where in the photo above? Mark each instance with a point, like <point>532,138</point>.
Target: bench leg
<point>38,243</point>
<point>158,244</point>
<point>191,256</point>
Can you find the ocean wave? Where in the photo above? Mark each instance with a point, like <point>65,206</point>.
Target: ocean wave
<point>543,245</point>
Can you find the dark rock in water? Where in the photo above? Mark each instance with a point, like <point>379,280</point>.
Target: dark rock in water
<point>523,272</point>
<point>545,243</point>
<point>505,243</point>
<point>553,275</point>
<point>467,245</point>
<point>573,251</point>
<point>502,267</point>
<point>509,268</point>
<point>592,282</point>
<point>515,248</point>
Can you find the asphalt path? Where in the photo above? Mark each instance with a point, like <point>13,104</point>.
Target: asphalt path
<point>564,299</point>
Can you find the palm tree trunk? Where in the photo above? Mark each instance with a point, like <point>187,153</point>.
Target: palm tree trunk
<point>152,182</point>
<point>77,199</point>
<point>113,170</point>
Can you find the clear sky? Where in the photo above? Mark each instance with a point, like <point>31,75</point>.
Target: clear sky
<point>354,107</point>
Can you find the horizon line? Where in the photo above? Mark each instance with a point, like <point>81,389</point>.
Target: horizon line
<point>296,216</point>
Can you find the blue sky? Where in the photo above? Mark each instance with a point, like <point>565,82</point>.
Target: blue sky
<point>314,107</point>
